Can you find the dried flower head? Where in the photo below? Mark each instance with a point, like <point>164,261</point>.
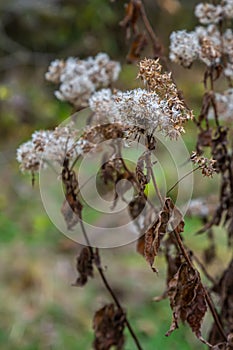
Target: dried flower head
<point>210,53</point>
<point>80,78</point>
<point>208,13</point>
<point>159,109</point>
<point>224,102</point>
<point>207,165</point>
<point>211,32</point>
<point>184,47</point>
<point>204,44</point>
<point>227,6</point>
<point>142,109</point>
<point>50,146</point>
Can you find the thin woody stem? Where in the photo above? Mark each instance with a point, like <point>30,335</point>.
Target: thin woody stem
<point>155,41</point>
<point>202,267</point>
<point>156,188</point>
<point>183,177</point>
<point>97,263</point>
<point>214,314</point>
<point>182,248</point>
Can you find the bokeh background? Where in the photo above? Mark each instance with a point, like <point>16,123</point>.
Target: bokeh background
<point>38,307</point>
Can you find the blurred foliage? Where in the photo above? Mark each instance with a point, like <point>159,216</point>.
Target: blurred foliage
<point>39,309</point>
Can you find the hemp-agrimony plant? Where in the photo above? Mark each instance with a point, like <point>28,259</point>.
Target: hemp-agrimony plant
<point>140,115</point>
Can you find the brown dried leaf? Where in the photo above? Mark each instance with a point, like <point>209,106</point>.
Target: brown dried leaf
<point>136,206</point>
<point>72,207</point>
<point>132,13</point>
<point>137,46</point>
<point>176,217</point>
<point>205,139</point>
<point>84,267</point>
<point>155,233</point>
<point>143,164</point>
<point>225,290</point>
<point>71,211</point>
<point>108,324</point>
<point>187,299</point>
<point>173,258</point>
<point>141,245</point>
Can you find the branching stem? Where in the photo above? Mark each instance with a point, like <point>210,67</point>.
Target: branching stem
<point>98,265</point>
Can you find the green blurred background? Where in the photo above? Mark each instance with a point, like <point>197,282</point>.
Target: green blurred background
<point>39,308</point>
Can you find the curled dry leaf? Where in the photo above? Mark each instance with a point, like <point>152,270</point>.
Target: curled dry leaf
<point>71,210</point>
<point>174,260</point>
<point>169,218</point>
<point>143,170</point>
<point>132,14</point>
<point>84,267</point>
<point>108,324</point>
<point>225,290</point>
<point>154,235</point>
<point>72,207</point>
<point>187,299</point>
<point>138,45</point>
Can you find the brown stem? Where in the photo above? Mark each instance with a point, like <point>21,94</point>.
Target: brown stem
<point>155,41</point>
<point>214,314</point>
<point>207,296</point>
<point>132,176</point>
<point>183,177</point>
<point>210,278</point>
<point>182,248</point>
<point>157,189</point>
<point>97,263</point>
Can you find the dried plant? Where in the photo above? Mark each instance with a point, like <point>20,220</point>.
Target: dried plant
<point>141,114</point>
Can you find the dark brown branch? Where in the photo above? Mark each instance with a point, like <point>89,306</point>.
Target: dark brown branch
<point>207,296</point>
<point>98,265</point>
<point>155,41</point>
<point>214,314</point>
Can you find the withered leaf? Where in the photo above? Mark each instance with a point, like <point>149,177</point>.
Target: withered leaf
<point>176,217</point>
<point>137,46</point>
<point>205,138</point>
<point>155,233</point>
<point>108,324</point>
<point>136,206</point>
<point>132,13</point>
<point>187,299</point>
<point>71,211</point>
<point>141,245</point>
<point>173,258</point>
<point>143,165</point>
<point>225,290</point>
<point>84,267</point>
<point>72,207</point>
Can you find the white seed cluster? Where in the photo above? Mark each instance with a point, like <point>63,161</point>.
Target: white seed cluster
<point>142,109</point>
<point>227,6</point>
<point>224,103</point>
<point>184,47</point>
<point>206,43</point>
<point>78,78</point>
<point>208,13</point>
<point>48,147</point>
<point>101,102</point>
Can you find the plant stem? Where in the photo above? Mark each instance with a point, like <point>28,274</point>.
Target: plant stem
<point>155,41</point>
<point>98,265</point>
<point>210,278</point>
<point>207,296</point>
<point>183,177</point>
<point>214,314</point>
<point>156,188</point>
